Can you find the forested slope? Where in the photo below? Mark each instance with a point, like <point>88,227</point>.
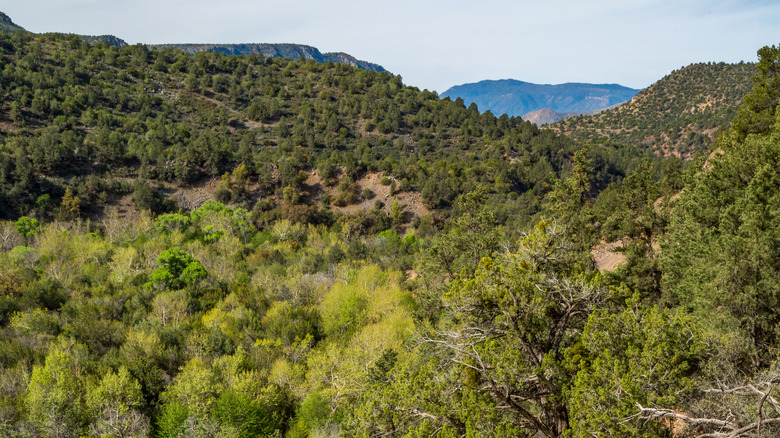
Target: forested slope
<point>272,314</point>
<point>106,122</point>
<point>680,114</point>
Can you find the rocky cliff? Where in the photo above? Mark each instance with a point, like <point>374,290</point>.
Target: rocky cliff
<point>293,51</point>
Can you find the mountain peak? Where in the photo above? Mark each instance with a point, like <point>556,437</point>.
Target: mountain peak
<point>517,98</point>
<point>7,25</point>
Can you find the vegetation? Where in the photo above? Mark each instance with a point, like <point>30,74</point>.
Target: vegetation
<point>680,115</point>
<point>270,312</point>
<point>107,122</point>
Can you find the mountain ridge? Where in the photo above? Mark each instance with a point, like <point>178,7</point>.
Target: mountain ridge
<point>279,50</point>
<point>7,25</point>
<point>516,98</point>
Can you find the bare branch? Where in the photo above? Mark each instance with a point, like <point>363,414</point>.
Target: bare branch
<point>718,428</point>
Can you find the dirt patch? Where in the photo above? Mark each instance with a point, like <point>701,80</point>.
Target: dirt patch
<point>410,201</point>
<point>606,256</point>
<point>8,127</point>
<point>192,196</point>
<point>125,208</point>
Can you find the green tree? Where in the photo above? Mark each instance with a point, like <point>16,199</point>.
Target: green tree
<point>639,221</point>
<point>248,417</point>
<point>757,113</point>
<point>396,213</point>
<point>473,235</point>
<point>143,196</point>
<point>638,356</point>
<point>570,204</point>
<point>70,207</point>
<point>196,387</point>
<point>177,270</point>
<point>722,255</point>
<point>511,325</point>
<point>27,227</point>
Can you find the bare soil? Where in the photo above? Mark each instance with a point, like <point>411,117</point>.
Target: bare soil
<point>607,259</point>
<point>410,201</point>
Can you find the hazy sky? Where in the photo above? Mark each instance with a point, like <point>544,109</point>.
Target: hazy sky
<point>436,44</point>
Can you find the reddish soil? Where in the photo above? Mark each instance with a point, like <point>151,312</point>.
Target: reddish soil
<point>607,259</point>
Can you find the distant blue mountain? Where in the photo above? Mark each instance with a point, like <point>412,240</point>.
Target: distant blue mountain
<point>517,98</point>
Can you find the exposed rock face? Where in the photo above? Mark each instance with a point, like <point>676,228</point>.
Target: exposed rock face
<point>343,58</point>
<point>292,51</point>
<point>546,116</point>
<point>110,39</point>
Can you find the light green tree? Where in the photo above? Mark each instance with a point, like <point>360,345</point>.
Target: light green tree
<point>27,227</point>
<point>115,405</point>
<point>55,399</point>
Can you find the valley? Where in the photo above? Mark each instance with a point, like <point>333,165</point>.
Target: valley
<point>256,240</point>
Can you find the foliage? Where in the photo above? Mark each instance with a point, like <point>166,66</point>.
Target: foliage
<point>511,324</point>
<point>132,121</point>
<point>275,314</point>
<point>662,346</point>
<point>721,252</point>
<point>178,269</point>
<point>679,114</point>
<point>27,227</point>
<point>758,114</point>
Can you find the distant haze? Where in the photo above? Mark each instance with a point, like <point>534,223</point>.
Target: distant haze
<point>436,44</point>
<point>517,98</point>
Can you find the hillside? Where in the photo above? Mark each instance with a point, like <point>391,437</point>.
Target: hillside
<point>245,246</point>
<point>291,51</point>
<point>680,114</point>
<point>517,98</point>
<point>113,123</point>
<point>108,39</point>
<point>8,26</point>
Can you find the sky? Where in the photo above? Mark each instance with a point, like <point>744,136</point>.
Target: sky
<point>436,44</point>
